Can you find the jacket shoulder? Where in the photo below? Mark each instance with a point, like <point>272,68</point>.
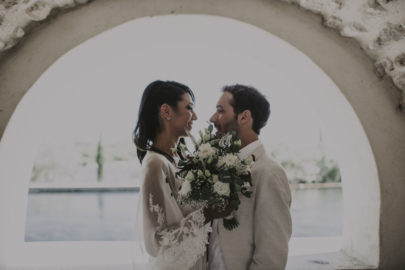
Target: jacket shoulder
<point>270,166</point>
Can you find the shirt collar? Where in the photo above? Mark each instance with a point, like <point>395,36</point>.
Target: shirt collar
<point>249,149</point>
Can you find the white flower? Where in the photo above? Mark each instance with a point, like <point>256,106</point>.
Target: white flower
<point>248,161</point>
<point>206,150</point>
<point>185,189</point>
<point>207,173</point>
<point>215,178</point>
<point>246,185</point>
<point>222,188</point>
<point>190,176</point>
<point>229,160</point>
<point>225,141</point>
<point>206,137</point>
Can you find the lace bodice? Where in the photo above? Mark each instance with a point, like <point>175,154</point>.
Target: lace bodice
<point>174,236</point>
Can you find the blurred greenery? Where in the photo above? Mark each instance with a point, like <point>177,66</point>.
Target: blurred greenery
<point>316,169</point>
<point>99,160</point>
<point>80,161</point>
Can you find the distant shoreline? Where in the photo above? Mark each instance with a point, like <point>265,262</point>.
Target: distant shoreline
<point>315,185</point>
<point>133,186</point>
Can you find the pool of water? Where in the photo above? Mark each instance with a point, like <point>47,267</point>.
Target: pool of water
<point>111,215</point>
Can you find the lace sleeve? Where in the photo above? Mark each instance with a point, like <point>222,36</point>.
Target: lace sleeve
<point>170,238</point>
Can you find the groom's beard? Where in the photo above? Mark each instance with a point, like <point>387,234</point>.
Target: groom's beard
<point>228,126</point>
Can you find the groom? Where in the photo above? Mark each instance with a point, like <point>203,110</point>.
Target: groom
<point>261,239</point>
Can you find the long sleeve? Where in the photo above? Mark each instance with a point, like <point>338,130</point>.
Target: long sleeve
<point>174,239</point>
<point>272,221</point>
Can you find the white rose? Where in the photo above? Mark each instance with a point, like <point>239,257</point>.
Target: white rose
<point>206,151</point>
<point>185,189</point>
<point>190,176</point>
<point>222,188</point>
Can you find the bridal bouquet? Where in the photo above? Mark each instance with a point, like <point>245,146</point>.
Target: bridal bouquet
<point>213,173</point>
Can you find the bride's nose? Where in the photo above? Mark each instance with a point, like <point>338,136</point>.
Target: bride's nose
<point>194,116</point>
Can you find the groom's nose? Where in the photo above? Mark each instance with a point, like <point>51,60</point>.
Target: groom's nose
<point>213,118</point>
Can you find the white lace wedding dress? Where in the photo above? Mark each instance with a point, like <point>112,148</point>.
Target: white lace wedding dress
<point>174,237</point>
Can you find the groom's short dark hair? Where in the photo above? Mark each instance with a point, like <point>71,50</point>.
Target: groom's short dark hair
<point>249,98</point>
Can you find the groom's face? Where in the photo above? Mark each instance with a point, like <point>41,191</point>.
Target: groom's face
<point>224,118</point>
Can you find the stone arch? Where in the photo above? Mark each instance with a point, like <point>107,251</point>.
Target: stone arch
<point>339,57</point>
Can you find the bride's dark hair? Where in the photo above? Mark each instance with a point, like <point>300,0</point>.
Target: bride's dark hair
<point>154,95</point>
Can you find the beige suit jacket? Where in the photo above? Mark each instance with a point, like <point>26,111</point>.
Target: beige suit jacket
<point>261,239</point>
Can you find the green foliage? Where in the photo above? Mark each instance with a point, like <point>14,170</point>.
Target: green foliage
<point>213,173</point>
<point>328,171</point>
<point>99,161</point>
<point>312,170</point>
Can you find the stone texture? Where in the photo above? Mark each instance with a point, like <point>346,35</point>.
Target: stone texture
<point>378,25</point>
<point>16,15</point>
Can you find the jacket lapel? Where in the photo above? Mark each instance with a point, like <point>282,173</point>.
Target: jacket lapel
<point>258,153</point>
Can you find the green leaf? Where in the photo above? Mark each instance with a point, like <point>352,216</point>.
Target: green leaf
<point>230,224</point>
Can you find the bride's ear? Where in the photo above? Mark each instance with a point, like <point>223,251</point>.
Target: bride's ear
<point>165,112</point>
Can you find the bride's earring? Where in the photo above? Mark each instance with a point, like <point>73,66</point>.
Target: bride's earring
<point>168,119</point>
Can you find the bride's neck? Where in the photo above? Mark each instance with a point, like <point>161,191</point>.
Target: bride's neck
<point>165,142</point>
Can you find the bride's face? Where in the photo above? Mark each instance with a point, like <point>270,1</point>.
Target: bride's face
<point>184,115</point>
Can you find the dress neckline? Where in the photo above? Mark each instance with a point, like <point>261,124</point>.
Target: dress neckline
<point>170,158</point>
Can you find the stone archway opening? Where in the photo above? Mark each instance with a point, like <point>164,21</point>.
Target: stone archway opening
<point>309,85</point>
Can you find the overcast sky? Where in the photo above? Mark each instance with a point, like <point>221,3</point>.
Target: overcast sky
<point>96,87</point>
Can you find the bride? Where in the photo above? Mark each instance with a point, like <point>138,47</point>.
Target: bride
<point>174,236</point>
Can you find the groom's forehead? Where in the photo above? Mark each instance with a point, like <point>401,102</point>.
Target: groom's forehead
<point>225,99</point>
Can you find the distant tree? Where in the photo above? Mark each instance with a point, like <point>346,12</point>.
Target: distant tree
<point>328,170</point>
<point>99,160</point>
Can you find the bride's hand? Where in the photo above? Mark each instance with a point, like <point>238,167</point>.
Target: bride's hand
<point>211,213</point>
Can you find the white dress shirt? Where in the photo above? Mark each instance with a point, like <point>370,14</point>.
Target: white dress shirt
<point>215,255</point>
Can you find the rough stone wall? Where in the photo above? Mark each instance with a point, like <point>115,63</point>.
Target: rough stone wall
<point>378,26</point>
<point>17,15</point>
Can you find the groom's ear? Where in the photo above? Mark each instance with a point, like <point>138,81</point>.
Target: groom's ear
<point>244,117</point>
